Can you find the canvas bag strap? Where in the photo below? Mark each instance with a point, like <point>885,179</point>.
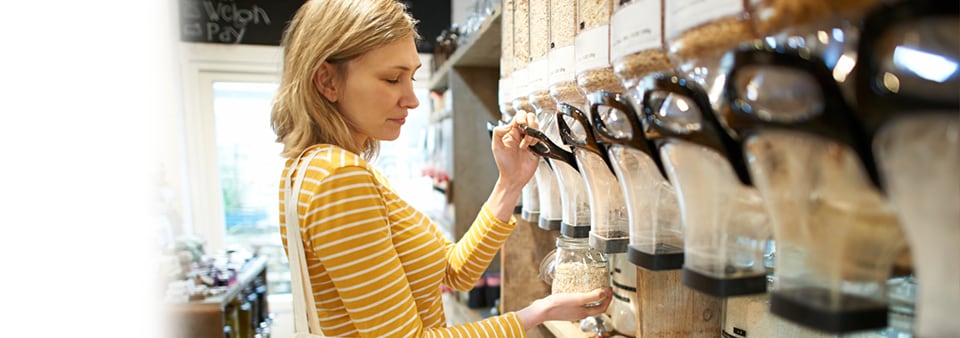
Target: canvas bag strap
<point>304,307</point>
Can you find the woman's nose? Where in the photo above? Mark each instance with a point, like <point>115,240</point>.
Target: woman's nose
<point>409,99</point>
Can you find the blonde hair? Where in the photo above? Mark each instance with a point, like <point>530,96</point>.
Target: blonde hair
<point>335,31</point>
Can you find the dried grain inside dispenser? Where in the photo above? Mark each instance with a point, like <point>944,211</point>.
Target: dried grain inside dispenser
<point>521,53</point>
<point>539,70</point>
<point>774,16</point>
<point>562,59</point>
<point>699,32</point>
<point>636,40</point>
<point>593,68</point>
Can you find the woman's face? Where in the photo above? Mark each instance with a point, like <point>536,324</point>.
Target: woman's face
<point>378,90</point>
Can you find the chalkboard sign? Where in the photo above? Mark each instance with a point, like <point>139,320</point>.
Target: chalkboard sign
<point>256,22</point>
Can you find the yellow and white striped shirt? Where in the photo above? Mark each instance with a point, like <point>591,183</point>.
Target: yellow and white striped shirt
<point>376,263</point>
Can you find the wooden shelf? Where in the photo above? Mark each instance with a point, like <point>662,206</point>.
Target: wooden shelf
<point>481,50</point>
<point>565,329</point>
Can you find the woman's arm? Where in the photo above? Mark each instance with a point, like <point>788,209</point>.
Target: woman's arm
<point>347,230</point>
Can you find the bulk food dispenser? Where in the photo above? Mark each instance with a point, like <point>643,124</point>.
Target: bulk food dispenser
<point>664,306</point>
<point>594,73</point>
<point>609,221</point>
<point>726,229</point>
<point>522,81</point>
<point>546,108</point>
<point>836,235</point>
<point>907,89</point>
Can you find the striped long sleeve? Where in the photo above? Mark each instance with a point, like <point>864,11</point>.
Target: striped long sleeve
<point>376,263</point>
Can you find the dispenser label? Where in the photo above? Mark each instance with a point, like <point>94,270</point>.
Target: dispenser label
<point>538,73</point>
<point>520,82</point>
<point>561,61</point>
<point>593,48</point>
<point>681,15</point>
<point>636,27</point>
<point>504,90</point>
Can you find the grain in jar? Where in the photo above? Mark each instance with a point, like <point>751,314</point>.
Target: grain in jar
<point>774,16</point>
<point>593,68</point>
<point>577,267</point>
<point>561,58</point>
<point>699,32</point>
<point>636,40</point>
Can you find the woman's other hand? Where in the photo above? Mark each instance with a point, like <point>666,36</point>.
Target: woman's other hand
<point>515,161</point>
<point>566,307</point>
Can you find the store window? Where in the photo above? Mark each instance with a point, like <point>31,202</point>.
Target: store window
<point>248,164</point>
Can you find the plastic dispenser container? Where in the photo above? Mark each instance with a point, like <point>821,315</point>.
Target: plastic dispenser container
<point>655,225</point>
<point>608,219</point>
<point>547,185</point>
<point>592,48</point>
<point>609,222</point>
<point>907,88</point>
<point>636,41</point>
<point>698,32</point>
<point>545,107</point>
<point>505,86</point>
<point>562,57</point>
<point>836,235</point>
<point>726,229</point>
<point>575,206</point>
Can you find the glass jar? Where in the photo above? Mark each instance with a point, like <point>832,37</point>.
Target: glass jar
<point>575,267</point>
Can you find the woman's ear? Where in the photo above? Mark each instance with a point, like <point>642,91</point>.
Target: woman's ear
<point>325,80</point>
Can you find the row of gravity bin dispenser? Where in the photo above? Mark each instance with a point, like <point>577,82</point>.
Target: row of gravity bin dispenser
<point>779,179</point>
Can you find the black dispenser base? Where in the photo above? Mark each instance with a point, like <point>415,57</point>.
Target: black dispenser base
<point>530,216</point>
<point>672,260</point>
<point>609,245</point>
<point>549,224</point>
<point>574,231</point>
<point>724,287</point>
<point>857,313</point>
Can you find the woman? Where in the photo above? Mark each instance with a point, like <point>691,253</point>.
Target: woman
<point>375,263</point>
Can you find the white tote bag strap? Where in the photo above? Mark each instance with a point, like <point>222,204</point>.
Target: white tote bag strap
<point>304,308</point>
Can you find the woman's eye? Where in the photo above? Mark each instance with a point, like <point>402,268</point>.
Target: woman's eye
<point>393,81</point>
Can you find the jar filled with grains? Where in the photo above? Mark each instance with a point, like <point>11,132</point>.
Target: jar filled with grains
<point>594,71</point>
<point>636,40</point>
<point>699,32</point>
<point>576,267</point>
<point>561,58</point>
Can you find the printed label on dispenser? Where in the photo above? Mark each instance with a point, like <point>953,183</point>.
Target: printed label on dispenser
<point>537,74</point>
<point>634,28</point>
<point>520,83</point>
<point>681,15</point>
<point>592,49</point>
<point>503,91</point>
<point>561,61</point>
